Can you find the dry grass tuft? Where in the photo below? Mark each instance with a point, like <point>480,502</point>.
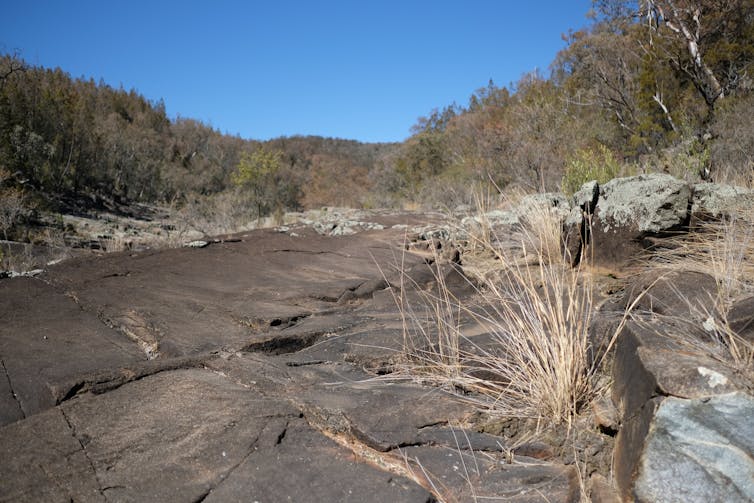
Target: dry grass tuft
<point>522,348</point>
<point>723,249</point>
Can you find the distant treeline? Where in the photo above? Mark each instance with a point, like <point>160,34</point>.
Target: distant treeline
<point>74,139</point>
<point>648,85</point>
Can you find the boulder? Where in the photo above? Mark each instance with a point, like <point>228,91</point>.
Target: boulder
<point>554,201</point>
<point>673,293</point>
<point>632,209</point>
<point>712,200</point>
<point>574,237</point>
<point>587,196</point>
<point>685,430</point>
<point>651,361</point>
<point>698,450</point>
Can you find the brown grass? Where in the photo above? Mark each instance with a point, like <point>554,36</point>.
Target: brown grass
<point>722,248</point>
<point>535,311</point>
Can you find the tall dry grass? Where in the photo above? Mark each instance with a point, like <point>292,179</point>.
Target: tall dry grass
<point>722,248</point>
<point>520,348</point>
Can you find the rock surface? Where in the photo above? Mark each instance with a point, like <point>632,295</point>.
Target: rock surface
<point>685,407</point>
<point>699,450</point>
<point>260,365</point>
<point>249,367</point>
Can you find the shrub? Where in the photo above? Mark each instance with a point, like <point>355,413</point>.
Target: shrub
<point>587,165</point>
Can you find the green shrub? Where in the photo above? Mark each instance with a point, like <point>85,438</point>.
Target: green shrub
<point>587,165</point>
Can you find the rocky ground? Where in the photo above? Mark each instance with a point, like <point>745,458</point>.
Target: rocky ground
<point>263,366</point>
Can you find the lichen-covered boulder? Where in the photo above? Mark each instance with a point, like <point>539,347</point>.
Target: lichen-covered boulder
<point>630,210</point>
<point>712,200</point>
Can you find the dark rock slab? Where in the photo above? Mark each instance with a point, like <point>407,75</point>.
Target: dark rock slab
<point>574,235</point>
<point>465,475</point>
<point>303,333</point>
<point>342,399</point>
<point>186,301</point>
<point>740,318</point>
<point>42,460</point>
<point>673,293</point>
<point>10,407</point>
<point>649,362</point>
<point>629,445</point>
<point>698,450</point>
<point>303,465</point>
<point>172,436</point>
<point>185,435</point>
<point>46,340</point>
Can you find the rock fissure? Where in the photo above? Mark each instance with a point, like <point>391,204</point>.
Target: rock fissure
<point>72,430</point>
<point>384,461</point>
<point>99,383</point>
<point>311,252</point>
<point>12,391</point>
<point>227,474</point>
<point>139,333</point>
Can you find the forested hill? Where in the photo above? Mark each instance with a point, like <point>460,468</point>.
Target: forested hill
<point>653,85</point>
<point>75,141</point>
<point>648,85</point>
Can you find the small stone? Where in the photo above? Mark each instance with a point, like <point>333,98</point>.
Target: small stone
<point>196,244</point>
<point>605,413</point>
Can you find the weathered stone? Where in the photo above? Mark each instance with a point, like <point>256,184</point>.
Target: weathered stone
<point>42,460</point>
<point>629,445</point>
<point>651,203</point>
<point>169,437</point>
<point>682,294</point>
<point>574,235</point>
<point>197,244</point>
<point>715,200</point>
<point>46,340</point>
<point>460,473</point>
<point>349,401</point>
<point>601,490</point>
<point>630,209</point>
<point>649,361</point>
<point>536,450</point>
<point>493,219</point>
<point>741,318</point>
<point>587,196</point>
<point>605,414</point>
<point>555,201</point>
<point>300,464</point>
<point>699,450</point>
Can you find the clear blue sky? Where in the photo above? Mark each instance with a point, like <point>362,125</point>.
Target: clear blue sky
<point>361,69</point>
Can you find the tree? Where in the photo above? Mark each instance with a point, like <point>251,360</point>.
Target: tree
<point>12,204</point>
<point>259,172</point>
<point>10,65</point>
<point>708,42</point>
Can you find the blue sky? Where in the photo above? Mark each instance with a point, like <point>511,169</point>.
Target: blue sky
<point>350,69</point>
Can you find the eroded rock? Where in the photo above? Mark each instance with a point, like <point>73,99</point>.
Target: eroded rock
<point>699,450</point>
